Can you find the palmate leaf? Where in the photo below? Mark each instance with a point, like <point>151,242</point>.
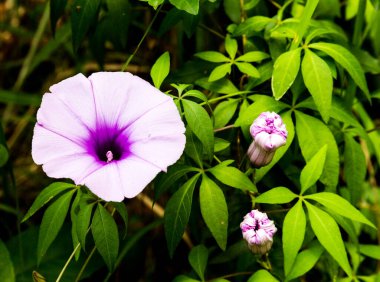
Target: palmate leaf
<point>83,223</point>
<point>328,234</point>
<point>231,46</point>
<point>212,56</point>
<point>285,71</point>
<point>106,236</point>
<point>220,72</point>
<point>348,61</point>
<point>160,69</point>
<point>293,233</point>
<point>198,257</point>
<point>248,69</point>
<point>318,80</point>
<point>253,56</point>
<point>278,195</point>
<point>312,133</point>
<point>214,210</point>
<point>177,213</point>
<point>52,222</point>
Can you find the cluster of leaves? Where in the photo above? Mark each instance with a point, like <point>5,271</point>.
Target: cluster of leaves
<point>289,57</point>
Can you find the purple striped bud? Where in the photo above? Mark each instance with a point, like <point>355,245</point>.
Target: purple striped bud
<point>269,133</point>
<point>258,231</point>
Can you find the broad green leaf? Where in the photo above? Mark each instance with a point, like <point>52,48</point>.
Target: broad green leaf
<point>261,276</point>
<point>287,119</point>
<point>222,86</point>
<point>7,273</point>
<point>252,25</point>
<point>293,233</point>
<point>83,14</point>
<point>106,236</point>
<point>312,134</point>
<point>231,46</point>
<point>177,213</point>
<point>57,8</point>
<point>198,257</point>
<point>220,144</point>
<point>318,80</point>
<point>214,210</point>
<point>196,94</point>
<point>253,56</point>
<point>224,111</point>
<point>233,177</point>
<point>212,56</point>
<point>160,69</point>
<point>348,61</point>
<point>285,71</point>
<point>328,234</point>
<point>313,169</point>
<point>354,166</point>
<point>262,103</point>
<point>83,223</point>
<point>190,6</point>
<point>220,72</point>
<point>194,148</point>
<point>305,261</point>
<point>201,125</point>
<point>184,278</point>
<point>46,195</point>
<point>339,205</point>
<point>248,69</point>
<point>52,221</point>
<point>265,70</point>
<point>372,251</point>
<point>4,155</point>
<point>278,195</point>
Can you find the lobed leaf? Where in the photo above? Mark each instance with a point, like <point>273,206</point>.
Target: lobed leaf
<point>160,69</point>
<point>278,195</point>
<point>106,236</point>
<point>198,257</point>
<point>177,213</point>
<point>214,210</point>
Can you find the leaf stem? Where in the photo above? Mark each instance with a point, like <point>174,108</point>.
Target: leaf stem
<point>67,263</point>
<point>85,264</point>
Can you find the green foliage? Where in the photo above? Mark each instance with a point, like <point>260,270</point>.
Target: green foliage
<point>160,69</point>
<point>7,273</point>
<point>198,257</point>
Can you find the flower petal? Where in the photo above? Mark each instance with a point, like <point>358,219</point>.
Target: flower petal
<point>121,98</point>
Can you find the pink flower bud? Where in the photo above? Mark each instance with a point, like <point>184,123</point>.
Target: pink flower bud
<point>269,133</point>
<point>258,231</point>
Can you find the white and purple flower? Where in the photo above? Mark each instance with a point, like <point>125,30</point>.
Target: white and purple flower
<point>113,132</point>
<point>258,231</point>
<point>269,133</point>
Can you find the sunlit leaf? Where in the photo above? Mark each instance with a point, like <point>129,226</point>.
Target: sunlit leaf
<point>160,69</point>
<point>233,177</point>
<point>278,195</point>
<point>212,56</point>
<point>262,275</point>
<point>190,6</point>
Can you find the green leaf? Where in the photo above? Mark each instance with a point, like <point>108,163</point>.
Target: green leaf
<point>354,164</point>
<point>106,236</point>
<point>287,119</point>
<point>83,14</point>
<point>278,195</point>
<point>198,257</point>
<point>248,69</point>
<point>261,276</point>
<point>340,206</point>
<point>194,148</point>
<point>7,273</point>
<point>222,86</point>
<point>224,111</point>
<point>318,80</point>
<point>372,251</point>
<point>214,210</point>
<point>328,234</point>
<point>312,134</point>
<point>253,56</point>
<point>83,223</point>
<point>52,222</point>
<point>220,72</point>
<point>233,177</point>
<point>293,233</point>
<point>212,56</point>
<point>252,25</point>
<point>184,278</point>
<point>348,61</point>
<point>189,6</point>
<point>123,212</point>
<point>305,261</point>
<point>74,221</point>
<point>285,71</point>
<point>313,169</point>
<point>160,69</point>
<point>177,213</point>
<point>57,8</point>
<point>196,94</point>
<point>231,46</point>
<point>4,155</point>
<point>200,123</point>
<point>46,195</point>
<point>220,144</point>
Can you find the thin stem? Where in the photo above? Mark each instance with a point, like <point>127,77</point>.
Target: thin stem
<point>233,275</point>
<point>221,36</point>
<point>224,128</point>
<point>85,264</point>
<point>141,40</point>
<point>67,263</point>
<point>359,21</point>
<point>225,97</point>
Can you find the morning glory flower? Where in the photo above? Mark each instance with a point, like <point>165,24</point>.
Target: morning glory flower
<point>113,132</point>
<point>269,133</point>
<point>258,231</point>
